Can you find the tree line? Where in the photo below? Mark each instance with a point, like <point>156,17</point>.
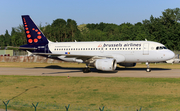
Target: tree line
<point>164,29</point>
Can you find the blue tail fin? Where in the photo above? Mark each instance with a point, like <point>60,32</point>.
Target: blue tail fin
<point>33,34</point>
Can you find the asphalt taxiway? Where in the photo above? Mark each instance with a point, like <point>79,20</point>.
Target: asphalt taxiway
<point>77,72</point>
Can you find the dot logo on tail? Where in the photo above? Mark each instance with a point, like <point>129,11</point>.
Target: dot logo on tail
<point>28,35</point>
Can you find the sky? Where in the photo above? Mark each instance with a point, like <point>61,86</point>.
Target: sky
<point>82,11</point>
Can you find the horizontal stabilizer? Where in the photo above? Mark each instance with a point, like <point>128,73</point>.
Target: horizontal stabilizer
<point>28,48</point>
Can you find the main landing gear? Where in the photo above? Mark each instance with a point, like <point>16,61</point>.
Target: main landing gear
<point>86,69</point>
<point>148,69</point>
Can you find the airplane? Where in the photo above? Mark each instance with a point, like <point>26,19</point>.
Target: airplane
<point>103,55</point>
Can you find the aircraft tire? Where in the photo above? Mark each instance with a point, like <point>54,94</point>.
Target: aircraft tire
<point>86,70</point>
<point>148,70</point>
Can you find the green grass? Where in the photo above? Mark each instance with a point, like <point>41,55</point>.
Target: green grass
<point>89,93</point>
<point>84,93</point>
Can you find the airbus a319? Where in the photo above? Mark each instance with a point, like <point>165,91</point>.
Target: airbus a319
<point>103,55</point>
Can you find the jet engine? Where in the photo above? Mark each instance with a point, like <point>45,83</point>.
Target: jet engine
<point>105,64</point>
<point>127,64</point>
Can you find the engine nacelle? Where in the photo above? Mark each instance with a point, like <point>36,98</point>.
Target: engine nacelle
<point>105,64</point>
<point>127,64</point>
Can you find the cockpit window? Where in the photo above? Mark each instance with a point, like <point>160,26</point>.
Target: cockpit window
<point>165,47</point>
<point>160,47</point>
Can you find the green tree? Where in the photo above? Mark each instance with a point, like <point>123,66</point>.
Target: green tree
<point>59,28</point>
<point>18,36</point>
<point>125,30</point>
<point>7,38</point>
<point>72,30</point>
<point>2,40</point>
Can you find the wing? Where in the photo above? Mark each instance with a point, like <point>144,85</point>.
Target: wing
<point>83,57</point>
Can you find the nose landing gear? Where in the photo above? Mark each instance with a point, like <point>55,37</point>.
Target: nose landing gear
<point>148,68</point>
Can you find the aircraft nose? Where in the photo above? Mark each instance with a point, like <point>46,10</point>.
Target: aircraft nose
<point>171,54</point>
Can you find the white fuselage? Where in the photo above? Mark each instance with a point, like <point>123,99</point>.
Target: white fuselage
<point>122,51</point>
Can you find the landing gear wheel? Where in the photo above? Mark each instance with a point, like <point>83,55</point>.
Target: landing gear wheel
<point>148,70</point>
<point>86,70</point>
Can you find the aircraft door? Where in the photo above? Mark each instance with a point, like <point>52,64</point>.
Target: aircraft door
<point>146,49</point>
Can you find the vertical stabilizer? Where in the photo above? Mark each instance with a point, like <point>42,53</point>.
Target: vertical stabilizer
<point>34,35</point>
